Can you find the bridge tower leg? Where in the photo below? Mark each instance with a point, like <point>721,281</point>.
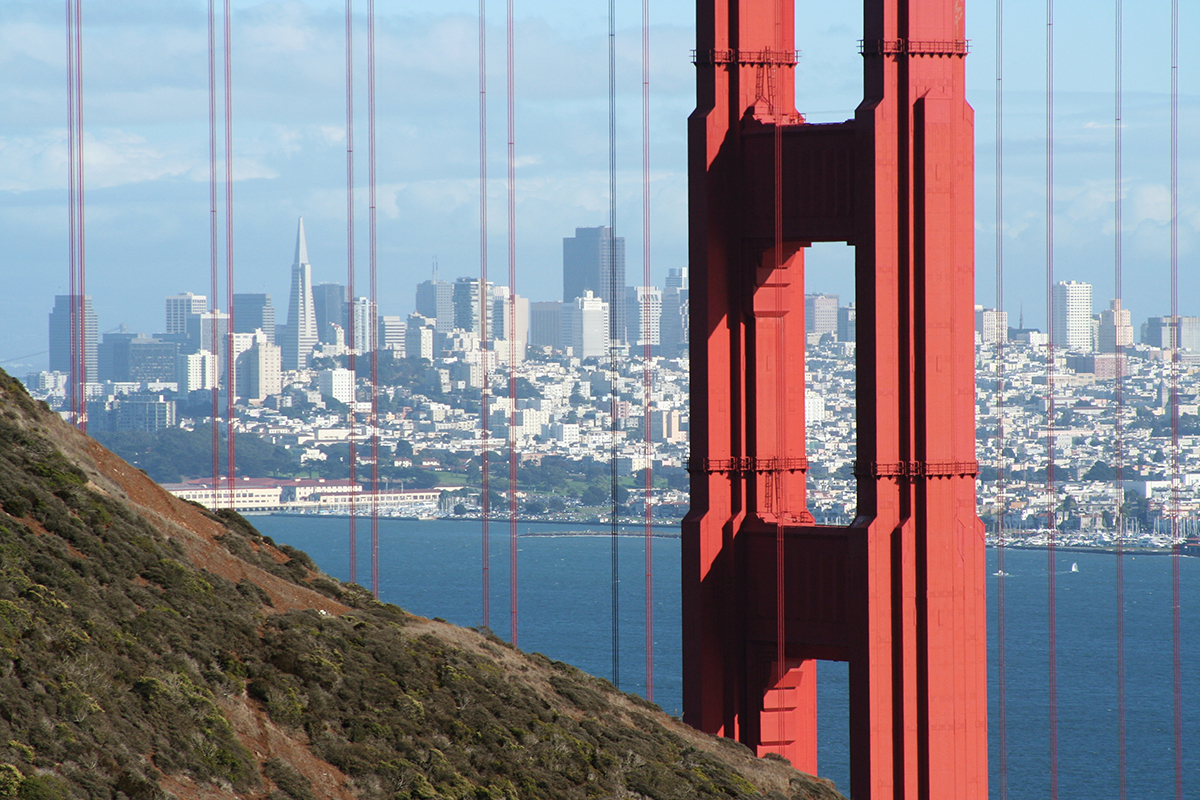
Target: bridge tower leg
<point>900,593</point>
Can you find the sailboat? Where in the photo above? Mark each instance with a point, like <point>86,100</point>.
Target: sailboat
<point>1074,566</point>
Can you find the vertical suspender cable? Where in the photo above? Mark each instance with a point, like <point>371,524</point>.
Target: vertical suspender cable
<point>81,305</point>
<point>81,315</point>
<point>1001,439</point>
<point>512,289</point>
<point>1052,642</point>
<point>230,371</point>
<point>485,363</point>
<point>73,276</point>
<point>1176,549</point>
<point>372,234</point>
<point>613,334</point>
<point>77,307</point>
<point>646,354</point>
<point>351,344</point>
<point>779,104</point>
<point>1119,391</point>
<point>214,246</point>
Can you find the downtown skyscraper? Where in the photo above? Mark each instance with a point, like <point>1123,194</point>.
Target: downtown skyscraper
<point>298,338</point>
<point>594,260</point>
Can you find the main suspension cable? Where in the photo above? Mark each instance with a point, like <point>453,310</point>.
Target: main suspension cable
<point>512,367</point>
<point>1052,637</point>
<point>485,392</point>
<point>1001,432</point>
<point>214,250</point>
<point>613,334</point>
<point>1119,398</point>
<point>1176,543</point>
<point>230,366</point>
<point>373,309</point>
<point>351,343</point>
<point>646,353</point>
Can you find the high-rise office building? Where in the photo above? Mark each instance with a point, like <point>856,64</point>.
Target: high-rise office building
<point>1164,332</point>
<point>673,324</point>
<point>677,278</point>
<point>1071,308</point>
<point>847,330</point>
<point>329,306</point>
<point>61,348</point>
<point>180,307</point>
<point>991,325</point>
<point>821,313</point>
<point>366,323</point>
<point>585,326</point>
<point>196,371</point>
<point>258,369</point>
<point>643,315</point>
<point>300,335</point>
<point>391,334</point>
<point>210,332</point>
<point>545,324</point>
<point>594,260</point>
<point>112,355</point>
<point>254,312</point>
<point>466,306</point>
<point>509,320</point>
<point>435,300</point>
<point>418,337</point>
<point>1115,328</point>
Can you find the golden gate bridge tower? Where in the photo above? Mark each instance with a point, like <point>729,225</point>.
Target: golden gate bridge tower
<point>899,594</point>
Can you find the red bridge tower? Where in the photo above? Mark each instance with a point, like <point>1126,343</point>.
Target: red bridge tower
<point>899,594</point>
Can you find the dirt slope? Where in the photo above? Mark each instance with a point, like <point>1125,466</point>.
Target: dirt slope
<point>150,649</point>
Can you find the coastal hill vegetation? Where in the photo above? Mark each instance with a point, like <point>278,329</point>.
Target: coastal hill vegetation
<point>150,649</point>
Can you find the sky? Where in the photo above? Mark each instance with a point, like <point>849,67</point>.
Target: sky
<point>146,147</point>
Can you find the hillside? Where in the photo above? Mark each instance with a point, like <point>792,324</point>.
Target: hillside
<point>150,649</point>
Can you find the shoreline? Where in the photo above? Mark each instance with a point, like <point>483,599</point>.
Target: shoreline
<point>662,530</point>
<point>627,529</point>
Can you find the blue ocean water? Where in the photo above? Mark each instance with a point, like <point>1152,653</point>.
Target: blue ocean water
<point>434,569</point>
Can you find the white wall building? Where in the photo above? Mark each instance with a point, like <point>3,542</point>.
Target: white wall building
<point>643,313</point>
<point>180,306</point>
<point>1115,328</point>
<point>585,326</point>
<point>1071,306</point>
<point>196,371</point>
<point>336,383</point>
<point>991,325</point>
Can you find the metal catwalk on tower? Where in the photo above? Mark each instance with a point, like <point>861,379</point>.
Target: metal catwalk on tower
<point>899,594</point>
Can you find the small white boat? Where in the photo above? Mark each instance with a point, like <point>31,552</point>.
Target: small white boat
<point>1074,566</point>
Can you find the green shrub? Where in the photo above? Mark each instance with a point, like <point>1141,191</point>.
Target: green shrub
<point>10,780</point>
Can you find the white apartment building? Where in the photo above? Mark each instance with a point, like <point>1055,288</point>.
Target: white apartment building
<point>1115,328</point>
<point>585,326</point>
<point>991,325</point>
<point>643,312</point>
<point>196,371</point>
<point>1071,306</point>
<point>336,383</point>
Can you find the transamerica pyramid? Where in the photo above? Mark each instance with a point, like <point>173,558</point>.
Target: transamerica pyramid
<point>300,335</point>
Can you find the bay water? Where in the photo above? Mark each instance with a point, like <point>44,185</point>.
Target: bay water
<point>434,569</point>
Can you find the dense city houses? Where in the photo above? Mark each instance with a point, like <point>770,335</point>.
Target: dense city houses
<point>1091,395</point>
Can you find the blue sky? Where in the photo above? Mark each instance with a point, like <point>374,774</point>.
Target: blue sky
<point>147,168</point>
